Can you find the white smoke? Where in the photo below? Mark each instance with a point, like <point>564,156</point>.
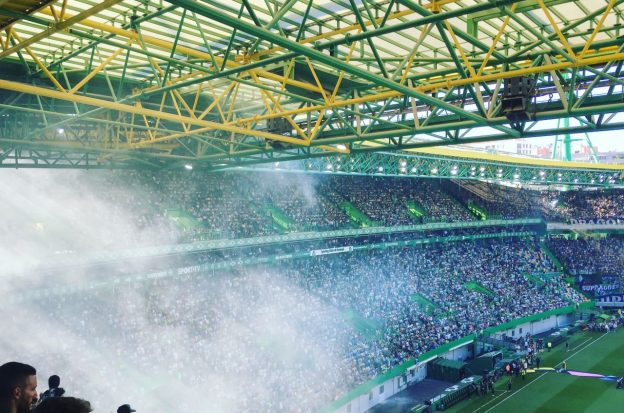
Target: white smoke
<point>249,340</point>
<point>47,214</point>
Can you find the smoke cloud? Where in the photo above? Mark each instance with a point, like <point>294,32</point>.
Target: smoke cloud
<point>248,339</point>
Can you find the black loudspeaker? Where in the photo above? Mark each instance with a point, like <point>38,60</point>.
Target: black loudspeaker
<point>517,93</point>
<point>278,125</point>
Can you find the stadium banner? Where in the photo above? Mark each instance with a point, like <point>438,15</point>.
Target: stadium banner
<point>210,268</point>
<point>456,393</point>
<point>611,221</point>
<point>587,225</point>
<point>612,300</point>
<point>208,245</point>
<point>327,251</point>
<point>599,289</point>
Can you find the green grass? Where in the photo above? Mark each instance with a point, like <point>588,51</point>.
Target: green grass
<point>550,392</point>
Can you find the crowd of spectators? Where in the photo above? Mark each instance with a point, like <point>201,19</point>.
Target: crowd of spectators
<point>385,200</point>
<point>294,335</point>
<point>591,255</point>
<point>240,205</point>
<point>591,205</point>
<point>128,208</point>
<point>556,206</point>
<point>288,337</point>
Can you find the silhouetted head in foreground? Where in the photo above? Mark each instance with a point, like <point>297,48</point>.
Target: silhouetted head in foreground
<point>18,387</point>
<point>63,405</point>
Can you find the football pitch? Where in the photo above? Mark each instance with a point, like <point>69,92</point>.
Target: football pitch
<point>549,391</point>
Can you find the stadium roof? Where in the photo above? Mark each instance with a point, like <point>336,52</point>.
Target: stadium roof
<point>222,83</point>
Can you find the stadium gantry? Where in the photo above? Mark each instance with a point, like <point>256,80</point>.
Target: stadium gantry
<point>219,84</point>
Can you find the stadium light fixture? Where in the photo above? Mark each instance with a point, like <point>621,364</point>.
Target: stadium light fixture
<point>434,171</point>
<point>341,146</point>
<point>60,131</point>
<point>188,167</point>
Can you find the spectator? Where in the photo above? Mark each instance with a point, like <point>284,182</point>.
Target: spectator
<point>125,408</point>
<point>63,405</point>
<point>54,390</point>
<point>18,387</point>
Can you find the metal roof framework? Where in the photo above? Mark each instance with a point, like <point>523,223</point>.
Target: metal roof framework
<point>219,84</point>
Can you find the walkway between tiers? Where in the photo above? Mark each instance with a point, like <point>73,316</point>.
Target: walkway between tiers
<point>406,400</point>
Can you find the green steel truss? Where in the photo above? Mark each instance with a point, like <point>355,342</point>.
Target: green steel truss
<point>220,84</point>
<point>404,164</point>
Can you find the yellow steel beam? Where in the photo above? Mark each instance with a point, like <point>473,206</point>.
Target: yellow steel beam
<point>267,98</point>
<point>334,149</point>
<point>460,49</point>
<point>352,27</point>
<point>525,71</point>
<point>57,27</point>
<point>342,73</point>
<point>410,59</point>
<point>97,70</point>
<point>166,45</point>
<point>344,30</point>
<point>496,40</point>
<point>54,14</point>
<point>63,10</point>
<point>597,28</point>
<point>546,163</point>
<point>428,87</point>
<point>446,84</point>
<point>39,63</point>
<point>233,98</point>
<point>316,79</point>
<point>555,26</point>
<point>215,102</point>
<point>85,100</point>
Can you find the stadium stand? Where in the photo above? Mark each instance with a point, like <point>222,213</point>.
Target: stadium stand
<point>590,256</point>
<point>369,294</point>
